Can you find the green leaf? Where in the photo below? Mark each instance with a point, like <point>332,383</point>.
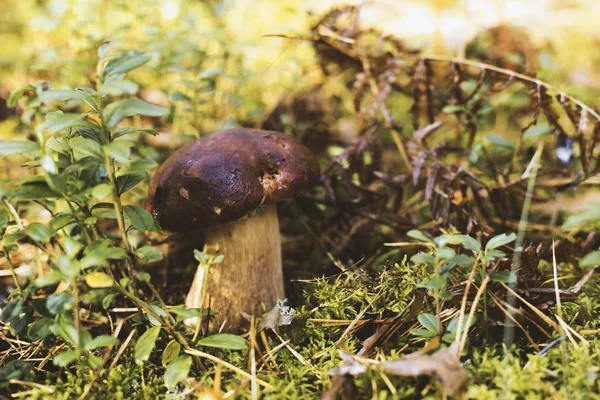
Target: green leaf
<point>148,254</point>
<point>124,131</point>
<point>104,210</point>
<point>422,258</point>
<point>452,108</point>
<point>12,310</point>
<point>39,329</point>
<point>500,240</point>
<point>38,232</point>
<point>105,47</point>
<point>504,276</point>
<point>83,147</point>
<point>33,191</point>
<point>146,344</point>
<point>586,218</point>
<point>66,357</point>
<point>56,122</point>
<point>138,217</point>
<point>437,282</point>
<point>17,147</point>
<point>418,235</point>
<point>17,94</point>
<point>446,295</point>
<point>590,260</point>
<point>177,371</point>
<point>51,278</point>
<point>101,341</point>
<point>464,240</point>
<point>537,131</point>
<point>120,150</point>
<point>116,112</point>
<point>51,96</point>
<point>126,62</point>
<point>119,87</point>
<point>499,140</point>
<point>60,221</point>
<point>127,182</point>
<point>136,166</point>
<point>58,303</point>
<point>102,191</point>
<point>429,322</point>
<point>224,341</point>
<point>170,353</point>
<point>98,280</point>
<point>424,333</point>
<point>209,73</point>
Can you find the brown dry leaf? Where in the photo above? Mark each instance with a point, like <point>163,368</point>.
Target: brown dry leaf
<point>444,365</point>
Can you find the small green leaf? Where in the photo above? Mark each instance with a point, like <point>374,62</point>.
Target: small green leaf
<point>130,181</point>
<point>422,258</point>
<point>177,371</point>
<point>51,96</point>
<point>418,235</point>
<point>499,140</point>
<point>83,147</point>
<point>224,341</point>
<point>170,353</point>
<point>12,310</point>
<point>56,122</point>
<point>98,280</point>
<point>38,232</point>
<point>124,131</point>
<point>209,73</point>
<point>33,191</point>
<point>105,47</point>
<point>536,132</point>
<point>590,260</point>
<point>429,322</point>
<point>500,240</point>
<point>146,344</point>
<point>101,341</point>
<point>126,62</point>
<point>504,276</point>
<point>424,333</point>
<point>102,191</point>
<point>120,150</point>
<point>148,254</point>
<point>452,109</point>
<point>66,357</point>
<point>136,166</point>
<point>104,210</point>
<point>464,240</point>
<point>590,217</point>
<point>58,303</point>
<point>17,147</point>
<point>39,329</point>
<point>437,282</point>
<point>17,94</point>
<point>119,87</point>
<point>139,218</point>
<point>116,112</point>
<point>446,295</point>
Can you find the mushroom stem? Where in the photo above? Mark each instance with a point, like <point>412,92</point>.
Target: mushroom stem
<point>250,273</point>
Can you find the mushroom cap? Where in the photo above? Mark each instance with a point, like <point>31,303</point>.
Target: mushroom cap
<point>226,175</point>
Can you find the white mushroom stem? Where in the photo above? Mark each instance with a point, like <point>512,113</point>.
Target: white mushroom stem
<point>250,273</point>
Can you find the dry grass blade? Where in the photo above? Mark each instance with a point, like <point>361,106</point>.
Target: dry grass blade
<point>198,353</point>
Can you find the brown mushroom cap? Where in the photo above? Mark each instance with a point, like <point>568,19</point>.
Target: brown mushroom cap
<point>226,175</point>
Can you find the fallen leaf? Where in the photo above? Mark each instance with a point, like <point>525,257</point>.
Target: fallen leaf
<point>444,365</point>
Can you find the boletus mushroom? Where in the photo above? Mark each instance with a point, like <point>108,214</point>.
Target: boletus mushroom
<point>227,184</point>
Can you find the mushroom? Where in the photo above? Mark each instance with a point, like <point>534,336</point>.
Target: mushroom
<point>227,184</point>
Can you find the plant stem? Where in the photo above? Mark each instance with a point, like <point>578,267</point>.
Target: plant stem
<point>12,270</point>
